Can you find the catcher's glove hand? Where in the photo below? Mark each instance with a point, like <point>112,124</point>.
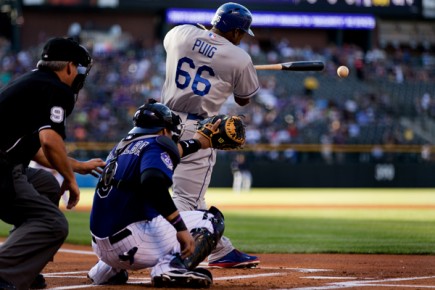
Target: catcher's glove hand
<point>229,135</point>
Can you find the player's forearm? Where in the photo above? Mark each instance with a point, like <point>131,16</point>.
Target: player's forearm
<point>85,167</point>
<point>199,141</point>
<point>155,184</point>
<point>176,221</point>
<point>164,204</point>
<point>41,159</point>
<point>75,164</point>
<point>186,147</point>
<point>93,166</point>
<point>53,148</point>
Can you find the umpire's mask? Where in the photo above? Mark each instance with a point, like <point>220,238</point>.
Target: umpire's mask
<point>79,81</point>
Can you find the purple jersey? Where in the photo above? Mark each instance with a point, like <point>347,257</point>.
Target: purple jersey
<point>116,207</point>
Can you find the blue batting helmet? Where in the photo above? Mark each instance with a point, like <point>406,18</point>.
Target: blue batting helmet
<point>232,16</point>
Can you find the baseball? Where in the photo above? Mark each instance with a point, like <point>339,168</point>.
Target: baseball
<point>342,71</point>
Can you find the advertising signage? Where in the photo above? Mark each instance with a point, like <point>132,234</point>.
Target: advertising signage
<point>404,7</point>
<point>280,19</point>
<point>410,8</point>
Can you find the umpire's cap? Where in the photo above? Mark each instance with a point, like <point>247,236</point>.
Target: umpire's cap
<point>232,16</point>
<point>152,117</point>
<point>65,49</point>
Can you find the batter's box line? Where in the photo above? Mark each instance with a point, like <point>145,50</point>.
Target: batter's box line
<point>64,273</point>
<point>248,276</point>
<point>371,283</point>
<point>148,281</point>
<point>301,270</point>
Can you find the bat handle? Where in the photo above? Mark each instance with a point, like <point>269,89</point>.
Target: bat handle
<point>277,66</point>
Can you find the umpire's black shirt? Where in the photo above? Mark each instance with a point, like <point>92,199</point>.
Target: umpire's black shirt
<point>36,101</point>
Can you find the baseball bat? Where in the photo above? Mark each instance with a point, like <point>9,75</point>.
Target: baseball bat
<point>293,66</point>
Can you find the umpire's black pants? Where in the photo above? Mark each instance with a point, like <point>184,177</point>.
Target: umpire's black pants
<point>40,226</point>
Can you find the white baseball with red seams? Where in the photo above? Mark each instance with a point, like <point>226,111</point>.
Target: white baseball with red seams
<point>343,71</point>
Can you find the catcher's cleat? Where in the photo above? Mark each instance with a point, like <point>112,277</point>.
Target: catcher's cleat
<point>198,278</point>
<point>235,259</point>
<point>120,278</point>
<point>39,282</point>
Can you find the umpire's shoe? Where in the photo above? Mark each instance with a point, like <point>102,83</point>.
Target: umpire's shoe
<point>39,282</point>
<point>5,285</point>
<point>198,278</point>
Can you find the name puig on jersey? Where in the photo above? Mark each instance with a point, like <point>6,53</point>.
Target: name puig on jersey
<point>204,48</point>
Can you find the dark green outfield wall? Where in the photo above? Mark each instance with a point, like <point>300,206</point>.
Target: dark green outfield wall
<point>280,174</point>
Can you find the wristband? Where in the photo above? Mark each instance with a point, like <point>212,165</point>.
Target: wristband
<point>190,146</point>
<point>178,223</point>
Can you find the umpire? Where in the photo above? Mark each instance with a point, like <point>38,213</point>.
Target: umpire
<point>33,111</point>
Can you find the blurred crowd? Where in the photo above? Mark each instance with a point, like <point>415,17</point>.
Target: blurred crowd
<point>291,108</point>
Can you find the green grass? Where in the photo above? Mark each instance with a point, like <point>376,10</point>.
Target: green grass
<point>390,221</point>
<point>304,234</point>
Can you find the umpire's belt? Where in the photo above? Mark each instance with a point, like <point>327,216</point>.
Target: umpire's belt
<point>194,117</point>
<point>117,237</point>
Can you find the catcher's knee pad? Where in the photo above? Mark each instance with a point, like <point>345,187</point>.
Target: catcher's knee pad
<point>217,222</point>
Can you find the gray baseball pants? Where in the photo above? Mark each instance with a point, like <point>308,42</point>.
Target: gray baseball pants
<point>40,227</point>
<point>191,180</point>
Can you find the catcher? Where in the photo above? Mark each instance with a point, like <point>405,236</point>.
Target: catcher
<point>134,221</point>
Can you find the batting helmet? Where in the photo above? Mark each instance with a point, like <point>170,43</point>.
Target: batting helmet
<point>152,117</point>
<point>232,16</point>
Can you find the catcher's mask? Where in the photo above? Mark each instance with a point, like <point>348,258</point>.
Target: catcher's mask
<point>152,117</point>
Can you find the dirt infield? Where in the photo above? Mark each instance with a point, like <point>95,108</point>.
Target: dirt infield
<point>276,271</point>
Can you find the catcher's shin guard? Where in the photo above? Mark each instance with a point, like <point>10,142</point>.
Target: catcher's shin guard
<point>204,244</point>
<point>205,241</point>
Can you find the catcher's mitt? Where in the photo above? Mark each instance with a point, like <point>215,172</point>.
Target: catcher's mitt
<point>229,135</point>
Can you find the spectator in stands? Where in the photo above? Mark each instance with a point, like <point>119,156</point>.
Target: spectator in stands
<point>120,80</point>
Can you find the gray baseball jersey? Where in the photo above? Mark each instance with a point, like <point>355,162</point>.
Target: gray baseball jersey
<point>203,70</point>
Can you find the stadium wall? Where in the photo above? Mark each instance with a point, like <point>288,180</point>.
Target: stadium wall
<point>141,26</point>
<point>148,28</point>
<point>283,174</point>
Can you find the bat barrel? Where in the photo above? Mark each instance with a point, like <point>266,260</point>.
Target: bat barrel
<point>303,66</point>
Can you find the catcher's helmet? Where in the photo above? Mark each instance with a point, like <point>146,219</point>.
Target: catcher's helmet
<point>232,16</point>
<point>152,117</point>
